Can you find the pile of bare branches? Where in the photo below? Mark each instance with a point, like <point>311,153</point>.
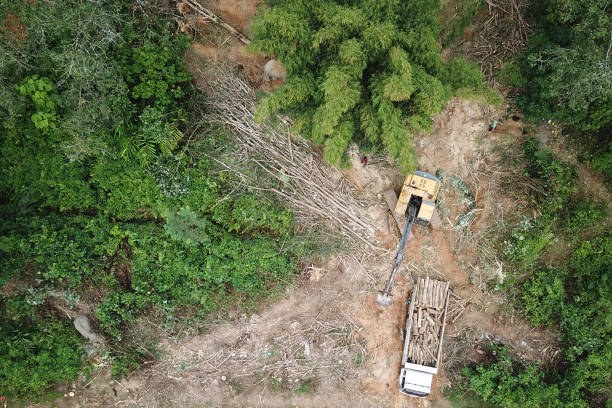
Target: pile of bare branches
<point>500,33</point>
<point>286,164</point>
<point>456,307</point>
<point>313,349</point>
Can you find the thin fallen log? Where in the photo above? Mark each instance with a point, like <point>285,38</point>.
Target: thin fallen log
<point>210,16</point>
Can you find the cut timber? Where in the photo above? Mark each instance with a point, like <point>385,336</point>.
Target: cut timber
<point>427,320</point>
<point>391,200</point>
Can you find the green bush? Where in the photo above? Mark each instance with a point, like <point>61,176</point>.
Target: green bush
<point>35,356</point>
<point>250,215</point>
<point>543,296</point>
<point>155,135</point>
<point>459,73</point>
<point>582,213</point>
<point>58,248</point>
<point>118,309</point>
<point>185,225</point>
<point>599,152</point>
<point>527,243</point>
<point>511,75</point>
<point>567,75</point>
<point>558,177</point>
<point>502,382</point>
<point>43,94</point>
<point>125,191</point>
<point>155,71</point>
<point>359,71</point>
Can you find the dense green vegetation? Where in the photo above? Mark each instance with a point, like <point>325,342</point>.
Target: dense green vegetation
<point>560,260</point>
<point>102,204</point>
<point>571,291</point>
<point>363,71</point>
<point>567,66</point>
<point>566,73</point>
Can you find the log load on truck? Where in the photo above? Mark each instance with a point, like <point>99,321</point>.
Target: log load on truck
<point>424,335</point>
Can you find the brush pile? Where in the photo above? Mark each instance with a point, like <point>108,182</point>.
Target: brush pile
<point>427,320</point>
<point>498,33</point>
<point>270,158</point>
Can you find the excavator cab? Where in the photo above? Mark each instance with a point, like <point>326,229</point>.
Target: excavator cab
<point>417,202</point>
<point>421,190</point>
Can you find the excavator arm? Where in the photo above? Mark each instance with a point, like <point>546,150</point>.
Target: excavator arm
<point>384,296</point>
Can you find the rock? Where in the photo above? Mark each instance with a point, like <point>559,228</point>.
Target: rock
<point>81,323</point>
<point>274,70</point>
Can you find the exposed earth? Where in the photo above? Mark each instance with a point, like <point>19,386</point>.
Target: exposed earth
<point>326,343</point>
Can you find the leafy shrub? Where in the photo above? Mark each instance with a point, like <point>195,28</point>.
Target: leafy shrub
<point>511,75</point>
<point>358,71</point>
<point>581,213</point>
<point>562,81</point>
<point>543,296</point>
<point>226,266</point>
<point>155,71</point>
<point>251,215</point>
<point>155,135</point>
<point>117,309</point>
<point>60,246</point>
<point>527,243</point>
<point>125,192</point>
<point>599,152</point>
<point>506,383</point>
<point>35,356</point>
<point>559,177</point>
<point>185,225</point>
<point>43,94</point>
<point>459,73</point>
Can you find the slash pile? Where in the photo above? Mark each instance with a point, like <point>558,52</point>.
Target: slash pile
<point>427,320</point>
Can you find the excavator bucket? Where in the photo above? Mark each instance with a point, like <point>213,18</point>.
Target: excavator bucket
<point>383,298</point>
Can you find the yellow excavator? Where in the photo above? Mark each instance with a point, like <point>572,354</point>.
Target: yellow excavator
<point>416,202</point>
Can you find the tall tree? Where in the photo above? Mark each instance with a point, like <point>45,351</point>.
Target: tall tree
<point>364,71</point>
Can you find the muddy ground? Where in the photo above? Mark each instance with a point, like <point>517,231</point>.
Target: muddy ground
<point>326,343</point>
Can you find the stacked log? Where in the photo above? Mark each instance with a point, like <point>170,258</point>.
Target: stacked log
<point>427,321</point>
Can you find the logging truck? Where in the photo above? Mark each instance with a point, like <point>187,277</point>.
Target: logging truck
<point>423,336</point>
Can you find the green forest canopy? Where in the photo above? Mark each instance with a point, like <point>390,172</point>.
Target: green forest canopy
<point>364,71</point>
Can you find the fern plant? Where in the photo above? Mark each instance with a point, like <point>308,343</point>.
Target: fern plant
<point>155,135</point>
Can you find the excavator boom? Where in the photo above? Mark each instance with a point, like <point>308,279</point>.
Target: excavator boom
<point>384,296</point>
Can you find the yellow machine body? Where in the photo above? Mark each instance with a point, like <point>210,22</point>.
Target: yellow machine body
<point>422,188</point>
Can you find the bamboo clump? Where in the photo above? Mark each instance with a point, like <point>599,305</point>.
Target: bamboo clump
<point>427,320</point>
